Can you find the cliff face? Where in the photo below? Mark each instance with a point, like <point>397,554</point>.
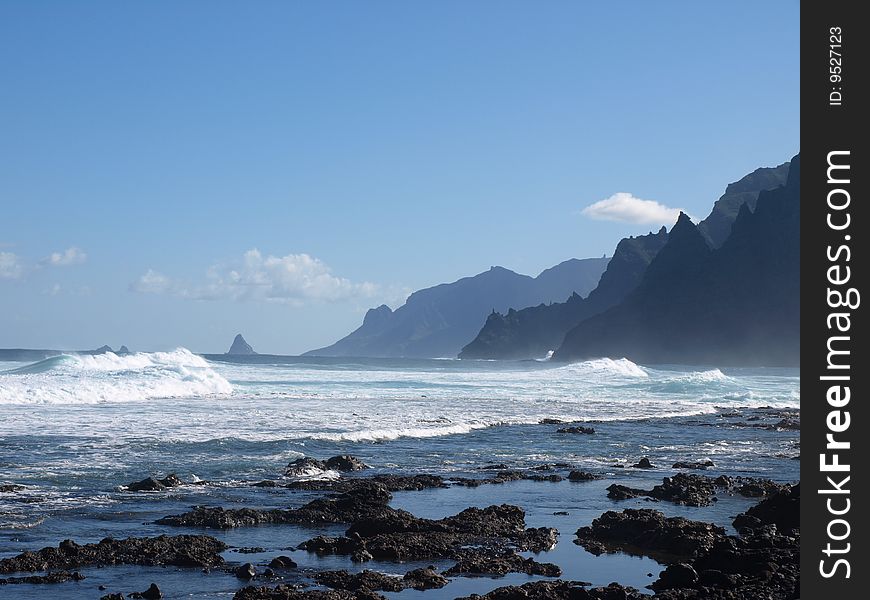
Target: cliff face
<point>717,226</point>
<point>438,321</point>
<point>738,304</point>
<point>532,332</point>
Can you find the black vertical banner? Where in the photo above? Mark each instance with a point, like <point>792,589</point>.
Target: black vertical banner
<point>834,416</point>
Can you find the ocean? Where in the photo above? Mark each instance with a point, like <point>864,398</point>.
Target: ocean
<point>74,429</point>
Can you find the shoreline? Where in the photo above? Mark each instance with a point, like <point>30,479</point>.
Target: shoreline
<point>545,492</point>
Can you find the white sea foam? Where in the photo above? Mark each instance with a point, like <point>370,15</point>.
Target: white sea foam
<point>84,379</point>
<point>179,396</point>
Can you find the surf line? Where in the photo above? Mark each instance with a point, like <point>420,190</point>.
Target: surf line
<point>841,299</point>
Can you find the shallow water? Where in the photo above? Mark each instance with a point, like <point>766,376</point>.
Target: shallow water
<point>74,429</point>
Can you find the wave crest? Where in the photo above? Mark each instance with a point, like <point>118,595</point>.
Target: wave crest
<point>92,379</point>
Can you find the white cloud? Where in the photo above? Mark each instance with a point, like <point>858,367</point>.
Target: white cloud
<point>294,279</point>
<point>70,256</point>
<point>151,282</point>
<point>622,206</point>
<point>10,266</point>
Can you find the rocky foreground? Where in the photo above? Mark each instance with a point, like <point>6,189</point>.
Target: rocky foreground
<point>701,560</point>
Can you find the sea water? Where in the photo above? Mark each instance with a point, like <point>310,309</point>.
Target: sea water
<point>74,429</point>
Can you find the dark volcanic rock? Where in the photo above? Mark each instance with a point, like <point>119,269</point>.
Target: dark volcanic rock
<point>679,575</point>
<point>398,535</point>
<point>364,501</point>
<point>486,563</point>
<point>282,562</point>
<point>622,492</point>
<point>365,580</point>
<point>781,509</point>
<point>180,551</point>
<point>10,487</point>
<point>286,592</point>
<point>55,577</point>
<point>703,466</point>
<point>560,590</point>
<point>393,483</point>
<point>114,596</point>
<point>425,579</point>
<point>648,532</point>
<point>682,488</point>
<point>643,463</point>
<point>304,466</point>
<point>245,571</point>
<point>697,490</point>
<point>582,476</point>
<point>150,484</point>
<point>152,593</point>
<point>345,463</point>
<point>577,429</point>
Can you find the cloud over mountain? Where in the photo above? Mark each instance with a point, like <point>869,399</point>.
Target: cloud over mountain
<point>624,207</point>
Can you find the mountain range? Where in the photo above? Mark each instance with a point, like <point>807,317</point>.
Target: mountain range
<point>536,330</point>
<point>736,304</point>
<point>438,321</point>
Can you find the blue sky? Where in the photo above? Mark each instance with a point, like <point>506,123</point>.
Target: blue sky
<point>173,173</point>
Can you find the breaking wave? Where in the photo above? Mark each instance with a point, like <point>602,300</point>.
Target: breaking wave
<point>93,379</point>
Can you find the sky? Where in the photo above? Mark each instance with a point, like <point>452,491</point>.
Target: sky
<point>173,173</point>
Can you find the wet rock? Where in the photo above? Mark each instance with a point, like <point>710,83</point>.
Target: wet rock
<point>789,424</point>
<point>266,483</point>
<point>245,571</point>
<point>399,536</point>
<point>152,593</point>
<point>582,476</point>
<point>702,466</point>
<point>114,596</point>
<point>689,490</point>
<point>561,513</point>
<point>643,463</point>
<point>551,421</point>
<point>249,550</point>
<point>55,577</point>
<point>781,509</point>
<point>304,466</point>
<point>393,483</point>
<point>287,592</point>
<point>485,563</point>
<point>577,429</point>
<point>494,467</point>
<point>648,532</point>
<point>679,575</point>
<point>425,579</point>
<point>560,590</point>
<point>622,492</point>
<point>180,551</point>
<point>150,484</point>
<point>282,562</point>
<point>363,501</point>
<point>10,487</point>
<point>345,463</point>
<point>365,580</point>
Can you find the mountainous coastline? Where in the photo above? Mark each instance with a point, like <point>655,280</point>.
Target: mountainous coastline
<point>737,304</point>
<point>439,321</point>
<point>534,331</point>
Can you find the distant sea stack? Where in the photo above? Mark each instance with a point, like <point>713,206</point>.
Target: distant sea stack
<point>240,346</point>
<point>124,350</point>
<point>437,322</point>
